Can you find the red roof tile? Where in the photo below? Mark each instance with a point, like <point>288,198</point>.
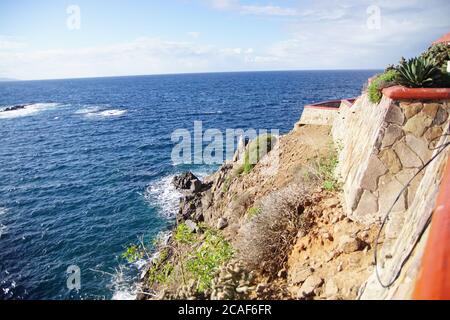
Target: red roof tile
<point>444,39</point>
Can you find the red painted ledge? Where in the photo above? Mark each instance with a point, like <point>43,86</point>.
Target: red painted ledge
<point>433,282</point>
<point>403,93</point>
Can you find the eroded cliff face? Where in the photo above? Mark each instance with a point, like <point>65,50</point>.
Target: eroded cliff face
<point>300,232</point>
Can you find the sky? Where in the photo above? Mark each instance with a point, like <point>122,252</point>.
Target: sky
<point>54,39</point>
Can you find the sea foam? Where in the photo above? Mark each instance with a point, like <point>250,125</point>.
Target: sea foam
<point>97,112</point>
<point>163,194</point>
<point>28,110</point>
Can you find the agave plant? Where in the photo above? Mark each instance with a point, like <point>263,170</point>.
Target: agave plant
<point>419,73</point>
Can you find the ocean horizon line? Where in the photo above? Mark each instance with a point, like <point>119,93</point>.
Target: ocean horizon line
<point>189,73</point>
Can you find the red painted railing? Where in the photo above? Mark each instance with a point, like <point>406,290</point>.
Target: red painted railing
<point>433,282</point>
<point>403,93</point>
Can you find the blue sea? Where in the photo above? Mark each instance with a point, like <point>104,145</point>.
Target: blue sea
<point>86,169</point>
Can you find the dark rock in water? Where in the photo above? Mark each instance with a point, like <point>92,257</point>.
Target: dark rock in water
<point>14,108</point>
<point>191,204</point>
<point>184,181</point>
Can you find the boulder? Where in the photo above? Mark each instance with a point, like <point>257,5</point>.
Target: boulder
<point>192,226</point>
<point>184,181</point>
<point>196,186</point>
<point>309,286</point>
<point>331,203</point>
<point>298,276</point>
<point>222,223</point>
<point>331,289</point>
<point>349,244</point>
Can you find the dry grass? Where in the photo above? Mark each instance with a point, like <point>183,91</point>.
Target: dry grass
<point>265,241</point>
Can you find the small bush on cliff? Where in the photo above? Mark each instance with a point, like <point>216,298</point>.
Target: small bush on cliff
<point>161,269</point>
<point>208,258</point>
<point>264,242</point>
<point>322,170</point>
<point>256,150</point>
<point>191,258</point>
<point>382,81</point>
<point>133,253</point>
<point>183,234</point>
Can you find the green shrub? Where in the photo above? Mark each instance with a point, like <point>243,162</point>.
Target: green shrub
<point>192,257</point>
<point>256,150</point>
<point>419,73</point>
<point>133,253</point>
<point>161,269</point>
<point>382,81</point>
<point>183,234</point>
<point>440,53</point>
<point>208,258</point>
<point>322,171</point>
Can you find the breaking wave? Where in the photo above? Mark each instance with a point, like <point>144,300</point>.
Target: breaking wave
<point>27,110</point>
<point>97,112</point>
<point>164,196</point>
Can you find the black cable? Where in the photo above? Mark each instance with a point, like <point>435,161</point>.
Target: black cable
<point>377,271</point>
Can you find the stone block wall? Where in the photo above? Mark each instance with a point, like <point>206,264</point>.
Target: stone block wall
<point>383,146</point>
<point>402,254</point>
<point>355,132</point>
<point>318,116</point>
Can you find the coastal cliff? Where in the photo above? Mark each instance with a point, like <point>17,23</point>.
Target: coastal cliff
<point>304,222</point>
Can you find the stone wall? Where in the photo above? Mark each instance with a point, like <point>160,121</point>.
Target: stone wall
<point>318,116</point>
<point>356,135</point>
<point>402,255</point>
<point>383,146</point>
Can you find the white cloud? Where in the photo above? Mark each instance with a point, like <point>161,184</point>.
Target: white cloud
<point>268,10</point>
<point>253,9</point>
<point>337,36</point>
<point>319,37</point>
<point>10,43</point>
<point>194,34</point>
<point>139,57</point>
